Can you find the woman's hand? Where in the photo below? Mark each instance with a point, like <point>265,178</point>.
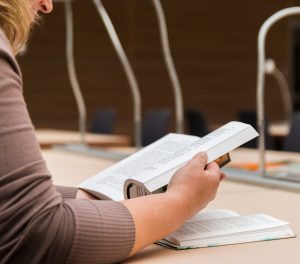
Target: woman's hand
<point>190,190</point>
<point>195,184</point>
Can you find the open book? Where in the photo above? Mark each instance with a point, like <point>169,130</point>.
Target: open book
<point>223,227</point>
<point>150,169</point>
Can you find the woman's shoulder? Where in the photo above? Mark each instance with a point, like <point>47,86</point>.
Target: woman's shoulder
<point>6,52</point>
<point>4,43</point>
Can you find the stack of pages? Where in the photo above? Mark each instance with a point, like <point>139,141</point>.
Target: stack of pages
<point>223,227</point>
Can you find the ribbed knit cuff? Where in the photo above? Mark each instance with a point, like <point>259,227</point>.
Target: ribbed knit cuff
<point>104,232</point>
<point>67,192</point>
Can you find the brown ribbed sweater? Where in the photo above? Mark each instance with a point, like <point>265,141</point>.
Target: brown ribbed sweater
<point>40,223</point>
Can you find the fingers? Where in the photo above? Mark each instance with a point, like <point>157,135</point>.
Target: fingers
<point>223,176</point>
<point>199,160</point>
<point>213,168</point>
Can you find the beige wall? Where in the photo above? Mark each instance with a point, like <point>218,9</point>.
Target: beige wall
<point>214,48</point>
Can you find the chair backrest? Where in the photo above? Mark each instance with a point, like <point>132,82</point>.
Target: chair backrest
<point>292,141</point>
<point>250,117</point>
<point>196,123</point>
<point>103,121</point>
<point>155,125</point>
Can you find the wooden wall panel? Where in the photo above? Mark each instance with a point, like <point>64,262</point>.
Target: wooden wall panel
<point>214,48</point>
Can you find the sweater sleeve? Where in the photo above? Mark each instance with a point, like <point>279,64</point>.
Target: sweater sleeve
<point>36,224</point>
<point>66,191</point>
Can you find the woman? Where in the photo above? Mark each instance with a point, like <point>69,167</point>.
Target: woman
<point>41,223</point>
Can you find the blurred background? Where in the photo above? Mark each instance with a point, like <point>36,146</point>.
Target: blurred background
<point>213,43</point>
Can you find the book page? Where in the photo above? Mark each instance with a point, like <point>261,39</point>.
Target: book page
<point>216,144</point>
<point>110,181</point>
<point>224,226</point>
<point>238,238</point>
<point>212,214</point>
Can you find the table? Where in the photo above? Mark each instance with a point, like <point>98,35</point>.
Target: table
<point>50,137</point>
<point>70,169</point>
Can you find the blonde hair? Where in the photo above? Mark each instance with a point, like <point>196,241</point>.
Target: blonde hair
<point>16,18</point>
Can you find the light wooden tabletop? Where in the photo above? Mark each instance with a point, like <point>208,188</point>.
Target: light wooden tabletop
<point>70,169</point>
<point>50,137</point>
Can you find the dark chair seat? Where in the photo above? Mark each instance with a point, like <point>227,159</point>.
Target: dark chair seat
<point>292,141</point>
<point>196,123</point>
<point>103,121</point>
<point>250,117</point>
<point>155,125</point>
